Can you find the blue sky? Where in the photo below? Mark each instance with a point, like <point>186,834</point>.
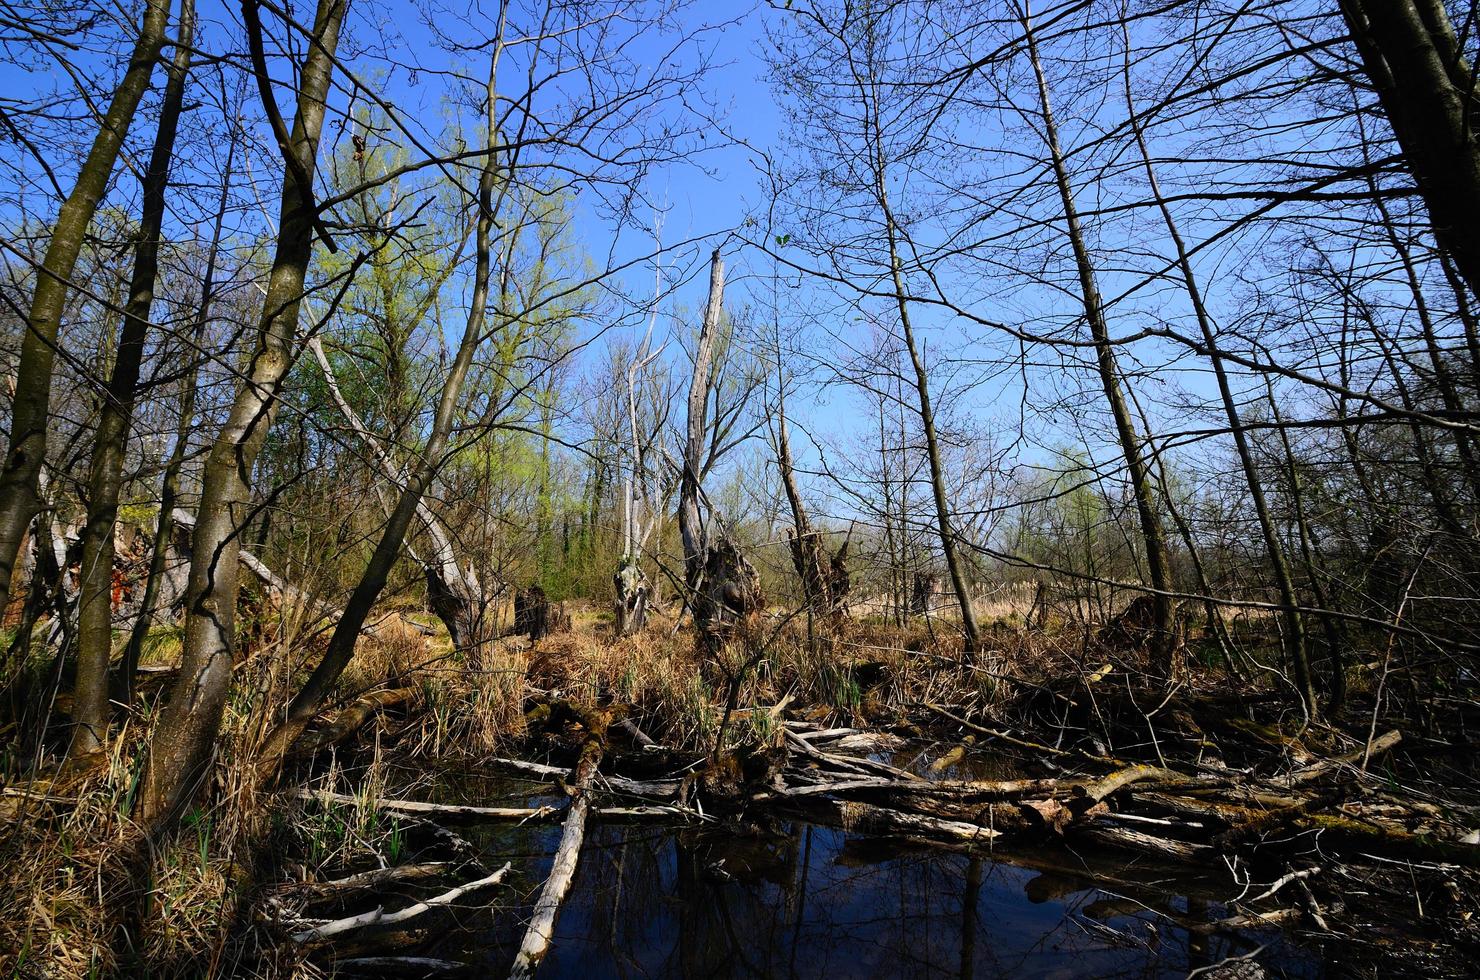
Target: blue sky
<point>720,185</point>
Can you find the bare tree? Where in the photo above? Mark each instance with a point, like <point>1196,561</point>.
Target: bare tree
<point>722,586</point>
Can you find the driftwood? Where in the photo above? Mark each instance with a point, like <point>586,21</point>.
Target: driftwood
<point>844,762</point>
<point>378,917</point>
<point>541,927</point>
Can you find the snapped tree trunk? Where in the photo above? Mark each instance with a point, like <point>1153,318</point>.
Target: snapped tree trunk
<point>31,403</point>
<point>824,577</point>
<point>180,749</point>
<point>536,616</point>
<point>110,441</point>
<point>632,591</point>
<point>723,588</point>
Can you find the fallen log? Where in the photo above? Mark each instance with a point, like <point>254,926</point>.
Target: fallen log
<point>1284,880</point>
<point>865,818</point>
<point>1277,919</point>
<point>539,772</point>
<point>351,719</point>
<point>1135,840</point>
<point>418,965</point>
<point>375,878</point>
<point>846,762</point>
<point>1378,746</point>
<point>629,728</point>
<point>378,917</point>
<point>541,929</point>
<point>417,807</point>
<point>456,811</point>
<point>1087,794</point>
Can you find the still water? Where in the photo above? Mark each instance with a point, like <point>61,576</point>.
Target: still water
<point>795,899</point>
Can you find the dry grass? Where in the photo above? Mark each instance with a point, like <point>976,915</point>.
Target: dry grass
<point>72,865</point>
<point>66,848</point>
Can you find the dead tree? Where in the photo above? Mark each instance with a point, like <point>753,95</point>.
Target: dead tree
<point>453,589</point>
<point>923,590</point>
<point>824,577</point>
<point>643,488</point>
<point>723,588</point>
<point>536,616</point>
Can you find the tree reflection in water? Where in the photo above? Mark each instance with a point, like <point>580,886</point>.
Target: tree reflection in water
<point>800,900</point>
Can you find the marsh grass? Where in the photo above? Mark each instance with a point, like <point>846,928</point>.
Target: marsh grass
<point>68,837</point>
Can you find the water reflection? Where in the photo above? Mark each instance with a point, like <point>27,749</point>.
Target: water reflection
<point>800,900</point>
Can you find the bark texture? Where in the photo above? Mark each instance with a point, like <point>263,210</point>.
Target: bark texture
<point>110,440</point>
<point>1427,90</point>
<point>180,749</point>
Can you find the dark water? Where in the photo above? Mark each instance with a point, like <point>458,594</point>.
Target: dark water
<point>800,900</point>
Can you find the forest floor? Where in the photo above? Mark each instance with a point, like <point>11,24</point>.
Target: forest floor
<point>1357,837</point>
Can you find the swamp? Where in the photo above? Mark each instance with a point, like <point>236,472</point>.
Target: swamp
<point>795,488</point>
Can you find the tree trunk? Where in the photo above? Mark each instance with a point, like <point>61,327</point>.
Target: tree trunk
<point>180,749</point>
<point>723,588</point>
<point>110,442</point>
<point>923,589</point>
<point>632,591</point>
<point>170,482</point>
<point>536,616</point>
<point>1427,89</point>
<point>943,520</point>
<point>824,578</point>
<point>1294,626</point>
<point>691,525</point>
<point>1157,562</point>
<point>31,403</point>
<point>455,595</point>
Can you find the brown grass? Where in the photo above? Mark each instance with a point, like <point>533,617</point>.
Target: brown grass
<point>64,846</point>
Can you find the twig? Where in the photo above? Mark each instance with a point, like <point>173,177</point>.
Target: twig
<point>378,916</point>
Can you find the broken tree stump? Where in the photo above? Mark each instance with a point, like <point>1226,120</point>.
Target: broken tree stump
<point>727,592</point>
<point>536,616</point>
<point>922,593</point>
<point>632,595</point>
